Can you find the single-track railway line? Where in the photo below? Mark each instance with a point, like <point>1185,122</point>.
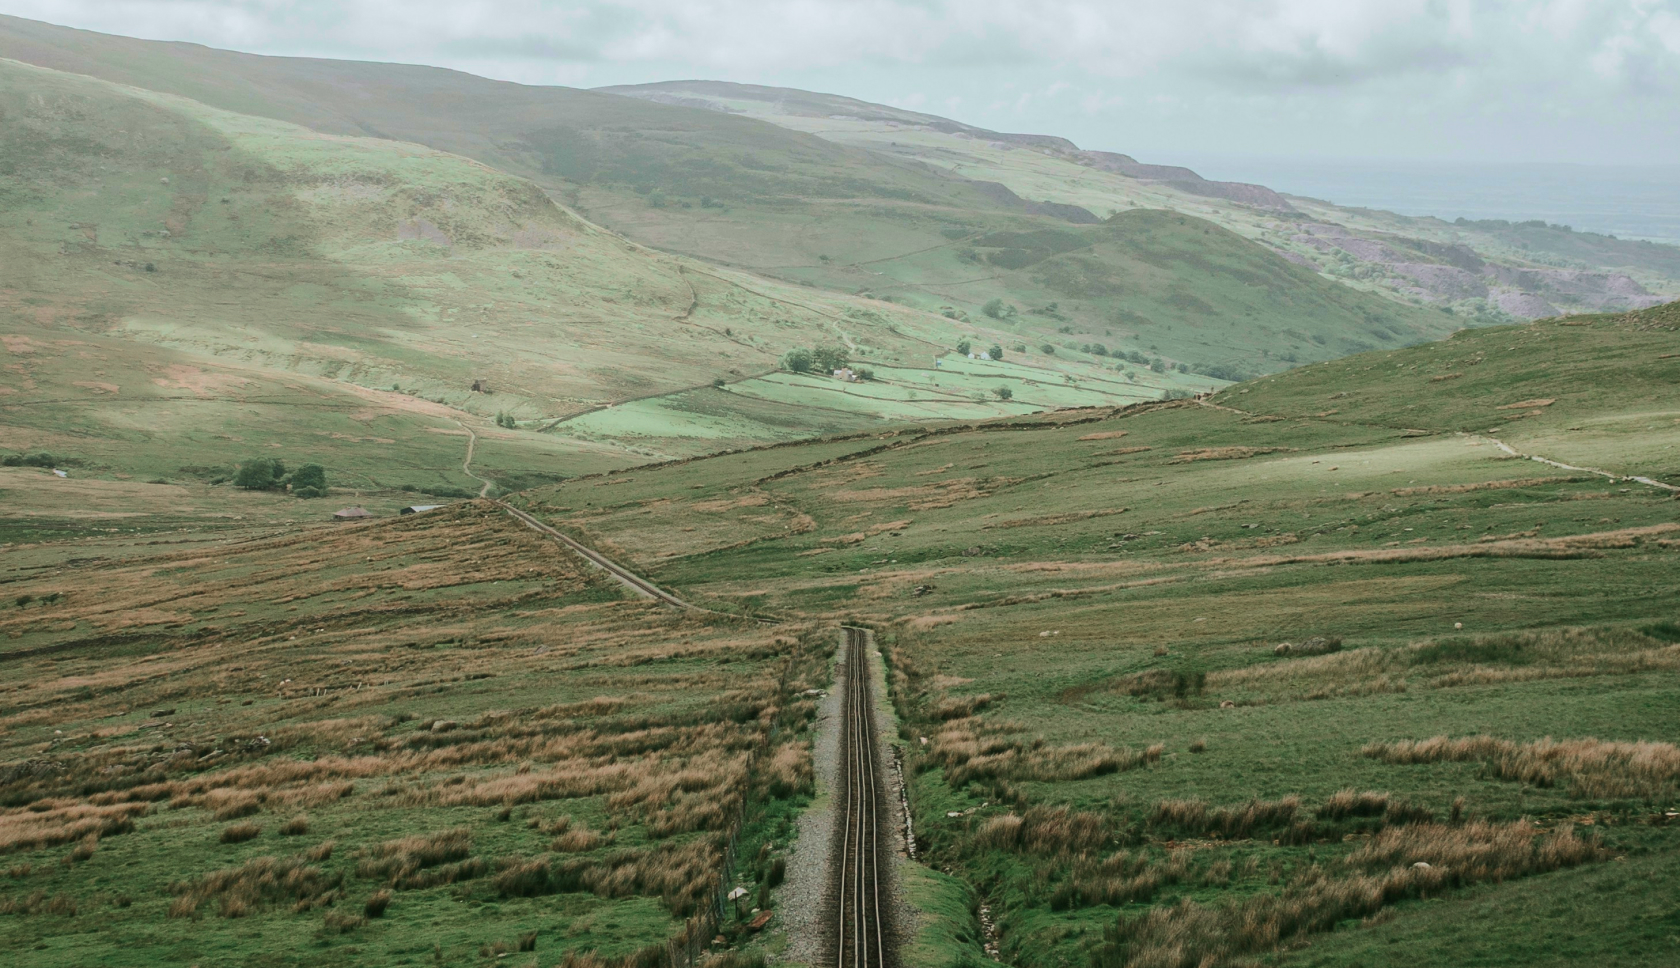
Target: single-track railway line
<point>862,855</point>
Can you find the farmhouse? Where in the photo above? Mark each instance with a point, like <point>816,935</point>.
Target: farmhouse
<point>352,514</point>
<point>417,508</point>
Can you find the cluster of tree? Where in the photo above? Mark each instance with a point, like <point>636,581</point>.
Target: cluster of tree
<point>964,347</point>
<point>269,474</point>
<point>506,420</point>
<point>438,490</point>
<point>998,309</point>
<point>40,459</point>
<point>820,359</point>
<point>1222,371</point>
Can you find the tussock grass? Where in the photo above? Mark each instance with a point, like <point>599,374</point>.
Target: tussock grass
<point>1400,863</point>
<point>257,884</point>
<point>1050,831</point>
<point>399,862</point>
<point>969,750</point>
<point>1589,767</point>
<point>62,821</point>
<point>1196,818</point>
<point>239,833</point>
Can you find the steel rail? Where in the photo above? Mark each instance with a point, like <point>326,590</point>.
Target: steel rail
<point>636,583</point>
<point>861,939</point>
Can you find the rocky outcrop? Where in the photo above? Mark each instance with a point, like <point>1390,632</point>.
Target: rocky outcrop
<point>1183,179</point>
<point>1442,272</point>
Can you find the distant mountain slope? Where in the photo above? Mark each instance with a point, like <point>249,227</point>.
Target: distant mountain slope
<point>184,287</point>
<point>717,95</point>
<point>754,195</point>
<point>1520,271</point>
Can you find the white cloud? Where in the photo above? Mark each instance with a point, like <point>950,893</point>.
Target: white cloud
<point>1337,69</point>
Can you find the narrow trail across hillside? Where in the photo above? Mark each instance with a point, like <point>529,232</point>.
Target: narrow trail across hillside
<point>1507,448</point>
<point>861,893</point>
<point>466,465</point>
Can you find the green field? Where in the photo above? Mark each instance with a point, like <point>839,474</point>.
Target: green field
<point>1083,613</point>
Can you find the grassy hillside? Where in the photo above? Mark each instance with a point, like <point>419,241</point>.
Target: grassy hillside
<point>753,195</point>
<point>428,741</point>
<point>1480,271</point>
<point>1181,683</point>
<point>185,289</point>
<point>1157,667</point>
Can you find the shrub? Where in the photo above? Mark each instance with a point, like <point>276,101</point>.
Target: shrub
<point>1047,349</point>
<point>1004,393</point>
<point>295,826</point>
<point>377,903</point>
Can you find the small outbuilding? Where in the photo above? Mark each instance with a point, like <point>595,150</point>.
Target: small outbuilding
<point>352,514</point>
<point>417,508</point>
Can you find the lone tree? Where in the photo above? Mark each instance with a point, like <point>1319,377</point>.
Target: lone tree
<point>996,352</point>
<point>993,308</point>
<point>310,480</point>
<point>1004,393</point>
<point>963,346</point>
<point>260,474</point>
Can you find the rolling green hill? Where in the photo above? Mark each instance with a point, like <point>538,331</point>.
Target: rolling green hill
<point>741,192</point>
<point>1480,271</point>
<point>186,288</point>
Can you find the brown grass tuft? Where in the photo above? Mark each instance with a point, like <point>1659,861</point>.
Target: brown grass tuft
<point>1589,767</point>
<point>239,833</point>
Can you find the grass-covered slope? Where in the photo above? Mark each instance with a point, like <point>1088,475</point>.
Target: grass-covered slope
<point>1159,668</point>
<point>743,192</point>
<point>184,288</point>
<point>430,741</point>
<point>1480,271</point>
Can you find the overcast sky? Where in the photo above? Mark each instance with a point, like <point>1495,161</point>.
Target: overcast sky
<point>1593,81</point>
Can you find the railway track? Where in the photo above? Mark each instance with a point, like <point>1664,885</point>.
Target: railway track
<point>636,583</point>
<point>862,852</point>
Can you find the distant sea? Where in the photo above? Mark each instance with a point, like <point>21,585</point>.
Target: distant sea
<point>1629,202</point>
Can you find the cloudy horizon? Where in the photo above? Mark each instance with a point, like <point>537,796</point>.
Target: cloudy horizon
<point>1411,81</point>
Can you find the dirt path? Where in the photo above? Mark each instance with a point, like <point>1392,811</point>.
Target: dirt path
<point>1507,448</point>
<point>466,465</point>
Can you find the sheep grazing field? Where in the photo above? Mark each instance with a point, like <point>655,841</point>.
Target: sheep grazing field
<point>386,743</point>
